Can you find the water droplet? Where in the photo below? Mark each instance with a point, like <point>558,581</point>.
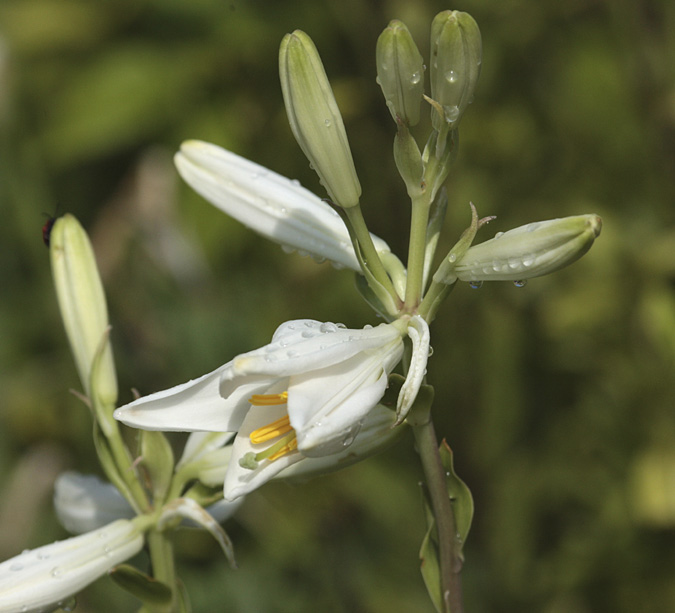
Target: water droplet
<point>327,123</point>
<point>528,261</point>
<point>451,76</point>
<point>521,283</point>
<point>43,555</point>
<point>452,257</point>
<point>416,78</point>
<point>56,572</point>
<point>68,605</point>
<point>287,249</point>
<point>327,327</point>
<point>431,351</point>
<point>295,182</point>
<point>107,551</point>
<point>499,234</point>
<point>283,210</point>
<point>475,284</point>
<point>451,113</point>
<point>514,263</point>
<point>291,353</point>
<point>272,357</point>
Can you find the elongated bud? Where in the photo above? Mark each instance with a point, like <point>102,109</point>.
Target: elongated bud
<point>315,119</point>
<point>83,307</point>
<point>400,72</point>
<point>529,251</point>
<point>456,52</point>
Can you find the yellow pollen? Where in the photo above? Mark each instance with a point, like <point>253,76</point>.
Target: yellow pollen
<point>262,400</point>
<point>270,431</point>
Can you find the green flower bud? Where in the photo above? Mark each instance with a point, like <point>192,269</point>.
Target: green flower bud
<point>529,251</point>
<point>456,52</point>
<point>400,72</point>
<point>315,119</point>
<point>82,304</point>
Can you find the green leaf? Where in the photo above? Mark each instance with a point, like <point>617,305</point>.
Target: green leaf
<point>429,564</point>
<point>460,496</point>
<point>148,590</point>
<point>158,460</point>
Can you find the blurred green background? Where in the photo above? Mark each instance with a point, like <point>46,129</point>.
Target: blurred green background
<point>557,398</point>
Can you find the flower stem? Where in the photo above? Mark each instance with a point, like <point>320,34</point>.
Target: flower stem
<point>449,559</point>
<point>163,565</point>
<point>373,261</point>
<point>417,250</point>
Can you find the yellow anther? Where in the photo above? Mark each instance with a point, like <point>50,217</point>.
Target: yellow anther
<point>270,431</point>
<point>268,399</point>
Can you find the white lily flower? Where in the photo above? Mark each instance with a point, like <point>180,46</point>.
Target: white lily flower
<point>268,203</point>
<point>39,579</point>
<point>309,390</point>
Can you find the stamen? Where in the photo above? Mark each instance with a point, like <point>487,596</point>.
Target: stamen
<point>280,448</point>
<point>268,399</point>
<point>290,446</point>
<point>270,431</point>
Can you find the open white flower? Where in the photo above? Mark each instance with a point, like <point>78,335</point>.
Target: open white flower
<point>40,579</point>
<point>311,390</point>
<point>268,203</point>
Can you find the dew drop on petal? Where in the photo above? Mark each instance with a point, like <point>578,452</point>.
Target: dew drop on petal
<point>327,123</point>
<point>56,572</point>
<point>416,78</point>
<point>521,283</point>
<point>69,605</point>
<point>431,351</point>
<point>451,76</point>
<point>475,284</point>
<point>452,257</point>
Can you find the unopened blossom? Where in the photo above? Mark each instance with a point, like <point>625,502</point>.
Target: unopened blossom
<point>270,204</point>
<point>40,579</point>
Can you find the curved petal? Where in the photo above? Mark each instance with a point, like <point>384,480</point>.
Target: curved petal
<point>418,331</point>
<point>195,405</point>
<point>326,407</point>
<point>376,433</point>
<point>308,345</point>
<point>268,203</point>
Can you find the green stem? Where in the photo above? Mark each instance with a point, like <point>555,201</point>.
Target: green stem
<point>433,298</point>
<point>449,560</point>
<point>163,565</point>
<point>417,250</point>
<point>373,261</point>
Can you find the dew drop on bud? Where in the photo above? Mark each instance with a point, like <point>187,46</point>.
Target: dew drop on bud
<point>475,284</point>
<point>521,283</point>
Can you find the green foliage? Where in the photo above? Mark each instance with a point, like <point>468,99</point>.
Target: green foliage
<point>554,397</point>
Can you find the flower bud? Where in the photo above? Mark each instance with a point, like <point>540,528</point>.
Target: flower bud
<point>456,52</point>
<point>83,307</point>
<point>315,119</point>
<point>529,251</point>
<point>400,72</point>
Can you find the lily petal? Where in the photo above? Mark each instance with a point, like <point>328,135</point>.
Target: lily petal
<point>418,331</point>
<point>38,579</point>
<point>268,203</point>
<point>326,407</point>
<point>195,405</point>
<point>307,345</point>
